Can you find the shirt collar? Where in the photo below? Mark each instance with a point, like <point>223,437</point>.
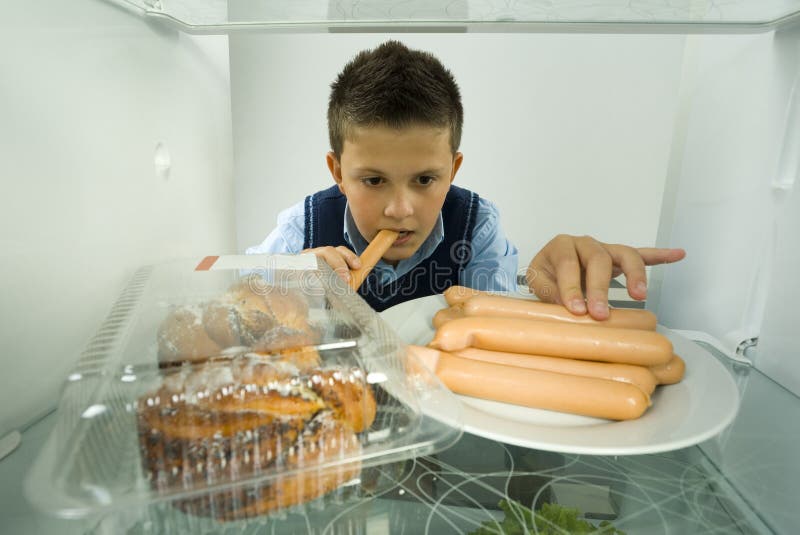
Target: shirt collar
<point>354,238</point>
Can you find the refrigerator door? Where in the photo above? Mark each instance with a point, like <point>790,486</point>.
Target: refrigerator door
<point>779,340</point>
<point>116,151</point>
<point>727,194</point>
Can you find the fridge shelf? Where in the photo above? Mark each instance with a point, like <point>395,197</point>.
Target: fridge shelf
<point>580,16</point>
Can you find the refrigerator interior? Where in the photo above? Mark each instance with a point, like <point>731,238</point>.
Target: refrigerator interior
<point>131,137</point>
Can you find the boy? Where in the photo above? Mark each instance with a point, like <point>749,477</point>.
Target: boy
<point>394,122</point>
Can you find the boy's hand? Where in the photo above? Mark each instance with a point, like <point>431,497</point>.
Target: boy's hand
<point>568,265</point>
<point>341,259</point>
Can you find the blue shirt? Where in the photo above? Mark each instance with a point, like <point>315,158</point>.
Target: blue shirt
<point>493,265</point>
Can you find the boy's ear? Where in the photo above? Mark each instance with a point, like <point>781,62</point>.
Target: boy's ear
<point>335,168</point>
<point>457,159</point>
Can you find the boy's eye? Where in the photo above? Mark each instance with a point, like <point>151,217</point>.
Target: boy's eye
<point>426,180</point>
<point>372,181</point>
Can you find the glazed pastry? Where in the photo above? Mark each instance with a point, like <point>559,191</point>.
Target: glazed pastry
<point>231,418</point>
<point>323,438</point>
<point>348,395</point>
<point>211,420</point>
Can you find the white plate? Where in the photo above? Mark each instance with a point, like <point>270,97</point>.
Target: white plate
<point>684,414</point>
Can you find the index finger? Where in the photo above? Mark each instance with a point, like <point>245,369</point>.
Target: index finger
<point>633,261</point>
<point>658,255</point>
<point>632,264</point>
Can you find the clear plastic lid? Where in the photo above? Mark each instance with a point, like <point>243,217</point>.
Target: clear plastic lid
<point>235,388</point>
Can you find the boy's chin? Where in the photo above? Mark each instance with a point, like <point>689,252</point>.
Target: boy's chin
<point>396,254</point>
<point>394,259</point>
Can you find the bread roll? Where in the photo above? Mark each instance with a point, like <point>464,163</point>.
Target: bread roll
<point>266,319</point>
<point>254,314</point>
<point>182,337</point>
<point>222,323</point>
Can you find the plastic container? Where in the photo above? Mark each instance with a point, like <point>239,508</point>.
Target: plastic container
<point>243,391</point>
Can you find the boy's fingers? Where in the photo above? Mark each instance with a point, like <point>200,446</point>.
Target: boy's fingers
<point>567,266</point>
<point>554,274</point>
<point>335,260</point>
<point>597,264</point>
<point>570,291</point>
<point>350,257</point>
<point>338,264</point>
<point>654,255</point>
<point>541,283</point>
<point>632,264</point>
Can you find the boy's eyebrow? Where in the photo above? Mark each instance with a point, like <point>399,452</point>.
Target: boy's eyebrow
<point>371,171</point>
<point>368,170</point>
<point>431,171</point>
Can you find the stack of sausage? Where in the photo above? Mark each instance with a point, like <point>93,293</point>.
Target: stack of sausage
<point>540,355</point>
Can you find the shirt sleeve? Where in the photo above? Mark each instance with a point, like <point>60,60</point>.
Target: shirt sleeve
<point>288,236</point>
<point>493,266</point>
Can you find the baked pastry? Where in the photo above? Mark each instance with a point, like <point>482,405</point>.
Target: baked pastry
<point>255,315</point>
<point>234,418</point>
<point>256,299</point>
<point>252,311</point>
<point>182,337</point>
<point>346,395</point>
<point>324,438</point>
<point>222,324</point>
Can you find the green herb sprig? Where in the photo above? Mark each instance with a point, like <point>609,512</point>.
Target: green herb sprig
<point>549,519</point>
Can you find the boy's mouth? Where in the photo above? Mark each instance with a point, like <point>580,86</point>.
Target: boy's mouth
<point>403,237</point>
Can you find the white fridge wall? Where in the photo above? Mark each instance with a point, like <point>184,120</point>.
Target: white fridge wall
<point>87,92</point>
<point>565,133</point>
<point>720,203</point>
<point>779,344</point>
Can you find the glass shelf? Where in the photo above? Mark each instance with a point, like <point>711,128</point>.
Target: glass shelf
<point>646,16</point>
<point>745,480</point>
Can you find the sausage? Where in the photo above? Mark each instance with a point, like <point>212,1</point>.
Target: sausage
<point>639,376</point>
<point>458,294</point>
<point>584,342</point>
<point>587,396</point>
<point>427,355</point>
<point>671,372</point>
<point>512,307</point>
<point>381,243</point>
<point>446,314</point>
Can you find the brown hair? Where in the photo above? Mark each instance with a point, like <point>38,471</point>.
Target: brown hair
<point>394,86</point>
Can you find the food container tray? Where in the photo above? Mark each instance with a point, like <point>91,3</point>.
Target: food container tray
<point>235,388</point>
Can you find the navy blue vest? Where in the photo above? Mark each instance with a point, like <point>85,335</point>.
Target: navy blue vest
<point>324,213</point>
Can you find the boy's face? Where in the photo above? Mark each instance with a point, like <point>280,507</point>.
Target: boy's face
<point>396,179</point>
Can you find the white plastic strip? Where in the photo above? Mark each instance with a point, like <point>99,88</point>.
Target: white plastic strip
<point>700,336</point>
<point>9,443</point>
<point>789,162</point>
<point>302,262</point>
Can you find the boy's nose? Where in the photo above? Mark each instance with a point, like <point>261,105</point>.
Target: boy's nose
<point>399,207</point>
